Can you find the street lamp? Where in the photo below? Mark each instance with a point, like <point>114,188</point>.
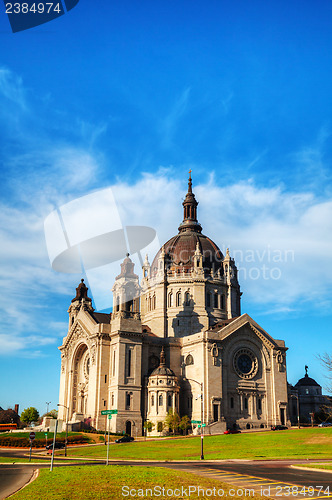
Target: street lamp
<point>298,408</point>
<point>202,413</point>
<point>47,405</point>
<point>66,438</point>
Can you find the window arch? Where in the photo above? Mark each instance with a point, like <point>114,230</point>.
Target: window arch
<point>215,301</point>
<point>189,360</point>
<point>160,400</point>
<point>187,298</point>
<point>178,299</point>
<point>154,301</point>
<point>222,299</point>
<point>152,400</point>
<point>170,299</point>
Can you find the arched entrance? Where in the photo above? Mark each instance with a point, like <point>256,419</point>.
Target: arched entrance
<point>128,427</point>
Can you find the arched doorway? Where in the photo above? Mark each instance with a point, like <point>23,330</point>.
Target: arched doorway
<point>128,427</point>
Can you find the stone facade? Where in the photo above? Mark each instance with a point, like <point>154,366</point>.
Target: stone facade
<point>176,340</point>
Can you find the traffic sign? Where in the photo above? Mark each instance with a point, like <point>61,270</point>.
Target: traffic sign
<point>32,435</point>
<point>109,412</point>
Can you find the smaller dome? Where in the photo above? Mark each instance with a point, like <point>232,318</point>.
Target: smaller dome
<point>162,369</point>
<point>306,381</point>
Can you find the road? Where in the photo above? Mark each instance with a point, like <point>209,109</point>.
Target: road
<point>274,478</point>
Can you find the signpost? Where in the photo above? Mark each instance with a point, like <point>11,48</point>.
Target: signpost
<point>32,437</point>
<point>109,413</point>
<point>55,431</point>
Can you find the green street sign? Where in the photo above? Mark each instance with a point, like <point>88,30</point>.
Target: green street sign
<point>46,434</point>
<point>196,422</point>
<point>109,417</point>
<point>109,412</point>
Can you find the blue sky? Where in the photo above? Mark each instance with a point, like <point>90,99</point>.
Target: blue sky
<point>130,96</point>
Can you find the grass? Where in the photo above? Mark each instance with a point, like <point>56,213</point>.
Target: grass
<point>326,466</point>
<point>105,483</point>
<point>19,460</point>
<point>295,443</point>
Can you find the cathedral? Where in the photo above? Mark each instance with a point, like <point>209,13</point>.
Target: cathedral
<point>175,340</point>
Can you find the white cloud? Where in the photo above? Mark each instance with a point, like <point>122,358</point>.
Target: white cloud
<point>11,87</point>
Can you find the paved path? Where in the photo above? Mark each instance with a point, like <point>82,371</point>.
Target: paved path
<point>14,477</point>
<point>274,479</point>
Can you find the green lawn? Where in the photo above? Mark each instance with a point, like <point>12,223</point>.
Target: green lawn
<point>327,466</point>
<point>295,443</point>
<point>105,483</point>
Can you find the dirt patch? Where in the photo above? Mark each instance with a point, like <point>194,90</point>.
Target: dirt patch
<point>319,440</point>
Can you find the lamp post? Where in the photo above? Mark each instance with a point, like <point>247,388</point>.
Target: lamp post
<point>202,413</point>
<point>297,407</point>
<point>47,405</point>
<point>66,438</point>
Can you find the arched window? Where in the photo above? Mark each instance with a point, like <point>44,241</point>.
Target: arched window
<point>178,299</point>
<point>117,300</point>
<point>189,360</point>
<point>154,301</point>
<point>222,305</point>
<point>208,300</point>
<point>152,400</point>
<point>170,400</point>
<point>215,300</point>
<point>187,298</point>
<point>160,400</point>
<point>170,299</point>
<point>259,404</point>
<point>246,403</point>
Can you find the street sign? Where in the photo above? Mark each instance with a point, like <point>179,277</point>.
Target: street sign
<point>109,412</point>
<point>32,435</point>
<point>196,422</point>
<point>46,434</point>
<point>109,417</point>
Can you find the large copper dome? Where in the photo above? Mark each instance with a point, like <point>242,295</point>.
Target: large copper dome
<point>180,250</point>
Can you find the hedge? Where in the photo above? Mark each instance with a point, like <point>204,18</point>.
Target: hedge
<point>24,442</point>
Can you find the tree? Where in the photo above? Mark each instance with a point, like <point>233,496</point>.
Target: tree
<point>29,415</point>
<point>185,424</point>
<point>172,421</point>
<point>160,426</point>
<point>9,417</point>
<point>148,425</point>
<point>326,409</point>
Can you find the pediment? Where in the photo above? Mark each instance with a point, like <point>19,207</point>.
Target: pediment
<point>246,321</point>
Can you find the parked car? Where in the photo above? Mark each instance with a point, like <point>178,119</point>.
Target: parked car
<point>279,428</point>
<point>58,446</point>
<point>125,439</point>
<point>232,431</point>
<point>325,424</point>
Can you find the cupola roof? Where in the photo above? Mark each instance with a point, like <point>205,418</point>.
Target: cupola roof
<point>180,250</point>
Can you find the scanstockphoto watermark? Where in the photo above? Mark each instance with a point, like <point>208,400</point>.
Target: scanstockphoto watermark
<point>185,492</point>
